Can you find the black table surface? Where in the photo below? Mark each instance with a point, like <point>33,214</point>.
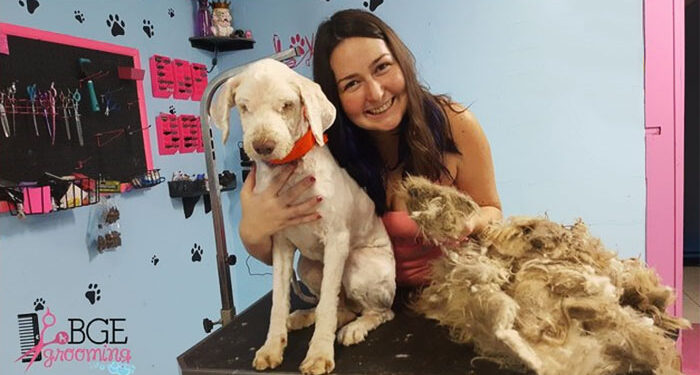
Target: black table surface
<point>409,344</point>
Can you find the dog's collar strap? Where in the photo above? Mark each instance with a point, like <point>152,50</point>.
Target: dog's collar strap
<point>301,147</point>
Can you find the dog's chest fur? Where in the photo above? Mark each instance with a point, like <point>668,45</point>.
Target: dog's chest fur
<point>343,201</point>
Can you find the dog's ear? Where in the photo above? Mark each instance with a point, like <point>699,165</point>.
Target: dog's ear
<point>220,109</point>
<point>320,111</point>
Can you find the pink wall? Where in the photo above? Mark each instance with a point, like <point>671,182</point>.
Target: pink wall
<point>664,35</point>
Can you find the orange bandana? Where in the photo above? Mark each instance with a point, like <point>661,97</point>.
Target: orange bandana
<point>301,147</point>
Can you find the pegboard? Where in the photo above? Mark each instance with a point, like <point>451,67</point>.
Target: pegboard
<point>116,145</point>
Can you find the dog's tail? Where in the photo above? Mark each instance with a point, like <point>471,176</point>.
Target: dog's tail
<point>300,293</point>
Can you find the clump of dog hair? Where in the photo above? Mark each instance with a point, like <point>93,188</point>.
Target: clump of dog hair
<point>533,294</point>
<point>438,210</point>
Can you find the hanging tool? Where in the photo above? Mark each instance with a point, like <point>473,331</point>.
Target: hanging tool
<point>11,91</point>
<point>78,125</point>
<point>65,101</point>
<point>86,73</point>
<point>52,103</point>
<point>3,117</point>
<point>31,91</point>
<point>110,104</point>
<point>44,103</point>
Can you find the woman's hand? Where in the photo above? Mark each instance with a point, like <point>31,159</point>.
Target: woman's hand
<point>478,221</point>
<point>271,210</point>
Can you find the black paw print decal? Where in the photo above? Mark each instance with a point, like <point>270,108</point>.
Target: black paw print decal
<point>148,28</point>
<point>172,110</point>
<point>171,12</point>
<point>79,16</point>
<point>93,294</point>
<point>31,5</point>
<point>39,304</point>
<point>116,25</point>
<point>373,4</point>
<point>197,253</point>
<point>155,260</point>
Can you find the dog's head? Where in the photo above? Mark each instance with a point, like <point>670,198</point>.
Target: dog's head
<point>275,104</point>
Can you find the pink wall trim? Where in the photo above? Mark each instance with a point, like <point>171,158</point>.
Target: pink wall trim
<point>691,341</point>
<point>664,164</point>
<point>9,29</point>
<point>664,89</point>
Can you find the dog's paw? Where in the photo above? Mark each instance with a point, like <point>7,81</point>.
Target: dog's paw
<point>270,355</point>
<point>299,319</point>
<point>318,360</point>
<point>353,333</point>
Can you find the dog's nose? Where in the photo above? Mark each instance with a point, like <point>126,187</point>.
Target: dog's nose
<point>264,147</point>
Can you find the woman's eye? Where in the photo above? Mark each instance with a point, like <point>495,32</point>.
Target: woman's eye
<point>383,66</point>
<point>349,85</point>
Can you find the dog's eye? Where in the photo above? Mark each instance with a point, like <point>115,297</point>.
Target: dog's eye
<point>287,106</point>
<point>243,108</point>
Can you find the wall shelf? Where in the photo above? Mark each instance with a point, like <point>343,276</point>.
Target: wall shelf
<point>219,43</point>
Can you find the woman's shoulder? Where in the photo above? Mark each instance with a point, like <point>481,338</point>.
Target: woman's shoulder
<point>463,123</point>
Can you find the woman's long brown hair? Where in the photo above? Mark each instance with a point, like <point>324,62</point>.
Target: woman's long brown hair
<point>424,133</point>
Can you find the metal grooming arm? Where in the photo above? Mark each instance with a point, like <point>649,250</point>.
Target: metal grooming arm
<point>228,310</point>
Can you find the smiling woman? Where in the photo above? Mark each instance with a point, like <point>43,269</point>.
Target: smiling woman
<point>371,86</point>
<point>389,126</point>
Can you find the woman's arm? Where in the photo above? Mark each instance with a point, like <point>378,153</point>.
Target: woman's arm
<point>475,172</point>
<point>259,247</point>
<point>267,212</point>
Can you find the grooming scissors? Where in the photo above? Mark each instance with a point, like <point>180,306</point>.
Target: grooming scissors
<point>11,91</point>
<point>52,103</point>
<point>31,91</point>
<point>65,102</point>
<point>3,116</point>
<point>44,103</point>
<point>61,338</point>
<point>78,125</point>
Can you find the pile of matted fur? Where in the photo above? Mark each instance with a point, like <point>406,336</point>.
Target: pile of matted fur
<point>533,294</point>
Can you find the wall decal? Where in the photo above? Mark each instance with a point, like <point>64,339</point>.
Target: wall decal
<point>197,253</point>
<point>31,5</point>
<point>79,16</point>
<point>155,260</point>
<point>373,4</point>
<point>148,28</point>
<point>171,12</point>
<point>28,327</point>
<point>98,341</point>
<point>304,44</point>
<point>93,294</point>
<point>117,26</point>
<point>39,304</point>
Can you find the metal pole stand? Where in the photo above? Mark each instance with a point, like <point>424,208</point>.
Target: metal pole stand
<point>223,259</point>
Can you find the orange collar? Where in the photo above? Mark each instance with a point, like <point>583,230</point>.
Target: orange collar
<point>301,147</point>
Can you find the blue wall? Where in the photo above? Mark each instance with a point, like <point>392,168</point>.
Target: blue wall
<point>557,86</point>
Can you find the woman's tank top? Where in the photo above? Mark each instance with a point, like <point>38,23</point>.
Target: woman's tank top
<point>412,256</point>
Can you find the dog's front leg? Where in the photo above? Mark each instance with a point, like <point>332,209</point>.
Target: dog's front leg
<point>271,353</point>
<point>319,358</point>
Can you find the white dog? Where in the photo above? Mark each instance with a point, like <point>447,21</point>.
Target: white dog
<point>280,109</point>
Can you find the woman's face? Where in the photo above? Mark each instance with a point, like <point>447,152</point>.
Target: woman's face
<point>370,83</point>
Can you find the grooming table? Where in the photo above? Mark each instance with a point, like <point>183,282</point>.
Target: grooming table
<point>409,344</point>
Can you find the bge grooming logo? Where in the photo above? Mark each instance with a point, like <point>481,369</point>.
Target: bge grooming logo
<point>88,341</point>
